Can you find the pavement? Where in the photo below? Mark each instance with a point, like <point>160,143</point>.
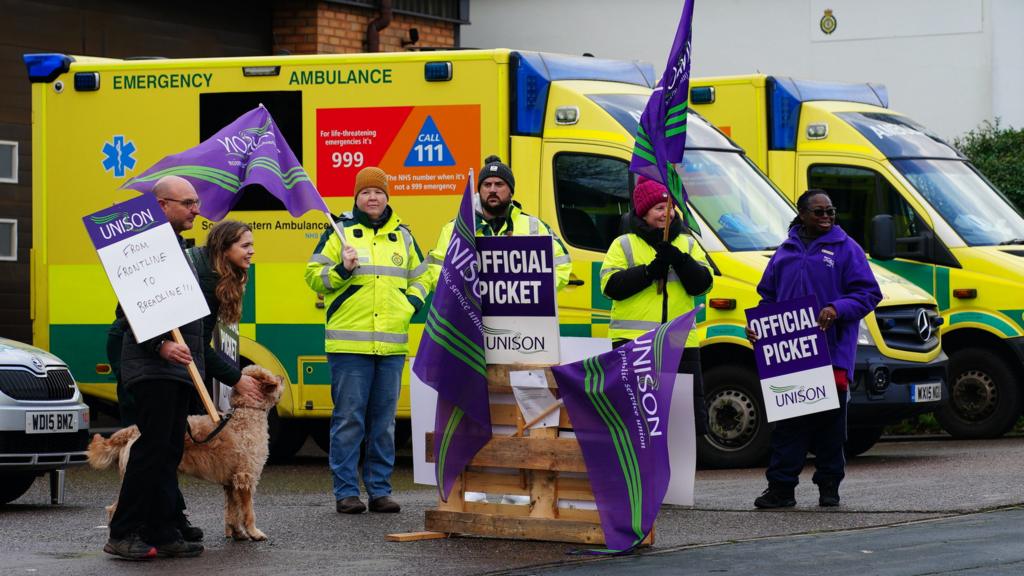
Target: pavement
<point>926,489</point>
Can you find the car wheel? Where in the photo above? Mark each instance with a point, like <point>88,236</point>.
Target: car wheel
<point>984,400</point>
<point>860,440</point>
<point>14,485</point>
<point>738,433</point>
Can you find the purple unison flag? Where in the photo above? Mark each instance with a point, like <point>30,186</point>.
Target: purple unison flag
<point>619,403</point>
<point>250,150</point>
<point>661,135</point>
<point>451,353</point>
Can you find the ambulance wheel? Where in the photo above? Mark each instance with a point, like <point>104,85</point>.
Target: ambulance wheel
<point>984,400</point>
<point>860,440</point>
<point>738,434</point>
<point>403,433</point>
<point>286,437</point>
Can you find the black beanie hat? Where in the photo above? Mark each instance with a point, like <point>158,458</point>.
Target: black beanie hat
<point>493,166</point>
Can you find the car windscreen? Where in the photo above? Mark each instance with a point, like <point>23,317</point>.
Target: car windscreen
<point>977,211</point>
<point>736,200</point>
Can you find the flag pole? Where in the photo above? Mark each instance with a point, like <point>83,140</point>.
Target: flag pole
<point>197,381</point>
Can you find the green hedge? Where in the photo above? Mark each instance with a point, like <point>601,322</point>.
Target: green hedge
<point>999,153</point>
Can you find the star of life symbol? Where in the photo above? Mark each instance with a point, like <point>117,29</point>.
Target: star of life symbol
<point>118,156</point>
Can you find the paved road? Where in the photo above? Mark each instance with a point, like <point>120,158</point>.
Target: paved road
<point>895,483</point>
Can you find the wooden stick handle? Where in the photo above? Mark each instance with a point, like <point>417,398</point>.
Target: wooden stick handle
<point>539,417</point>
<point>664,236</point>
<point>198,382</point>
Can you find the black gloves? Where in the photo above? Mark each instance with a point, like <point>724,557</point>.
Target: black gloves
<point>696,279</point>
<point>657,269</point>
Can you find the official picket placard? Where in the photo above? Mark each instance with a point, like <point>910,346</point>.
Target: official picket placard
<point>146,267</point>
<point>792,359</point>
<point>517,298</point>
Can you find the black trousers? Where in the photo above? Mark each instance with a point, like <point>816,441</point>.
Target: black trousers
<point>822,432</point>
<point>150,501</point>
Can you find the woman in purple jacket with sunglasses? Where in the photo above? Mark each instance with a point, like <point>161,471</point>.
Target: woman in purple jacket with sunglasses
<point>818,258</point>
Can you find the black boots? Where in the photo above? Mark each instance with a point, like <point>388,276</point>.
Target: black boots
<point>776,496</point>
<point>828,494</point>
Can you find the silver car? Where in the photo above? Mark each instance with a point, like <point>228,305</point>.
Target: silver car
<point>44,425</point>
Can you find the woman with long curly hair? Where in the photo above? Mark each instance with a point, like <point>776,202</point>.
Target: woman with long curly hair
<point>222,267</point>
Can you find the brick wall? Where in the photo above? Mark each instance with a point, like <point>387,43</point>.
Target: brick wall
<point>318,27</point>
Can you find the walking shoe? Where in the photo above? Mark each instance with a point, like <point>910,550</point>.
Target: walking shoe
<point>130,547</point>
<point>179,549</point>
<point>828,495</point>
<point>350,505</point>
<point>384,504</point>
<point>189,533</point>
<point>776,496</point>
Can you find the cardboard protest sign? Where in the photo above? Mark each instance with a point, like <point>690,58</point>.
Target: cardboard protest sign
<point>792,359</point>
<point>146,267</point>
<point>517,297</point>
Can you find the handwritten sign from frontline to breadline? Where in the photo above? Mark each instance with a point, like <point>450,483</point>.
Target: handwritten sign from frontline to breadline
<point>146,267</point>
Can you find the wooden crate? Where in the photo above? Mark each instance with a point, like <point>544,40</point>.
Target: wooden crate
<point>540,465</point>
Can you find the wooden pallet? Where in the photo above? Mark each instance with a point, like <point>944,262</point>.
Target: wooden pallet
<point>540,464</point>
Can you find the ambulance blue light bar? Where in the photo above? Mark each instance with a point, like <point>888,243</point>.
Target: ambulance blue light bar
<point>46,67</point>
<point>533,73</point>
<point>785,95</point>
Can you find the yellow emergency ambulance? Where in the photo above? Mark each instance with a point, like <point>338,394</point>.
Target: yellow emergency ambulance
<point>915,203</point>
<point>565,125</point>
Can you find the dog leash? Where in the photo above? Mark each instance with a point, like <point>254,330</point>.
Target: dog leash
<point>217,430</point>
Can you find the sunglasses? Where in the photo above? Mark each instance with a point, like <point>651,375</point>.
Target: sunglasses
<point>820,212</point>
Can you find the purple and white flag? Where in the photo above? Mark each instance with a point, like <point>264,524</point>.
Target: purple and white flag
<point>661,135</point>
<point>618,403</point>
<point>792,358</point>
<point>250,150</point>
<point>450,358</point>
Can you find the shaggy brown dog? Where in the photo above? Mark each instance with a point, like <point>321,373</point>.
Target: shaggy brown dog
<point>233,459</point>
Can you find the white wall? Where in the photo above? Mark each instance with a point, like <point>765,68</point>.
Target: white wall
<point>949,64</point>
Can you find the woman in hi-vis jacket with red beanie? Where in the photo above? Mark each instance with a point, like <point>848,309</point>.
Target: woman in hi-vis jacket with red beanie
<point>638,261</point>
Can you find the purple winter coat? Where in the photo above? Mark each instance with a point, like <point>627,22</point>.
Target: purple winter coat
<point>833,268</point>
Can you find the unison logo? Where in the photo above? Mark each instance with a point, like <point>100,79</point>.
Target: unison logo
<point>247,141</point>
<point>120,223</point>
<point>513,340</point>
<point>787,395</point>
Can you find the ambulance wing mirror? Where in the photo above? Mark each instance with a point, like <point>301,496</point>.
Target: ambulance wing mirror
<point>883,237</point>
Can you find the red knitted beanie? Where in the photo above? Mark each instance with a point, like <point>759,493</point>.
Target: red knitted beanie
<point>647,194</point>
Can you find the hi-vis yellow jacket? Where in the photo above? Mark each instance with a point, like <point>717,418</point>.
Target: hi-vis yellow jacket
<point>518,223</point>
<point>368,309</point>
<point>643,311</point>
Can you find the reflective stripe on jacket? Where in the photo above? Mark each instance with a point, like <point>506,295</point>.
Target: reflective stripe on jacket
<point>368,309</point>
<point>518,223</point>
<point>647,309</point>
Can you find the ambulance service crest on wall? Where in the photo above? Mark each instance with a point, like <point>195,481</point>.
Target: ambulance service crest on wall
<point>828,22</point>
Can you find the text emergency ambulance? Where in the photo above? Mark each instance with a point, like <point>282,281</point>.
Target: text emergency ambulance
<point>956,236</point>
<point>565,125</point>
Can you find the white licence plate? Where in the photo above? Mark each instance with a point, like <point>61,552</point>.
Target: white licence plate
<point>51,422</point>
<point>931,392</point>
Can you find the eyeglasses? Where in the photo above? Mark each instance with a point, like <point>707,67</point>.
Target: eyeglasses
<point>819,212</point>
<point>188,203</point>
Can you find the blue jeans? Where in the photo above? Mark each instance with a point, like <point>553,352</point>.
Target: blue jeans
<point>364,388</point>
